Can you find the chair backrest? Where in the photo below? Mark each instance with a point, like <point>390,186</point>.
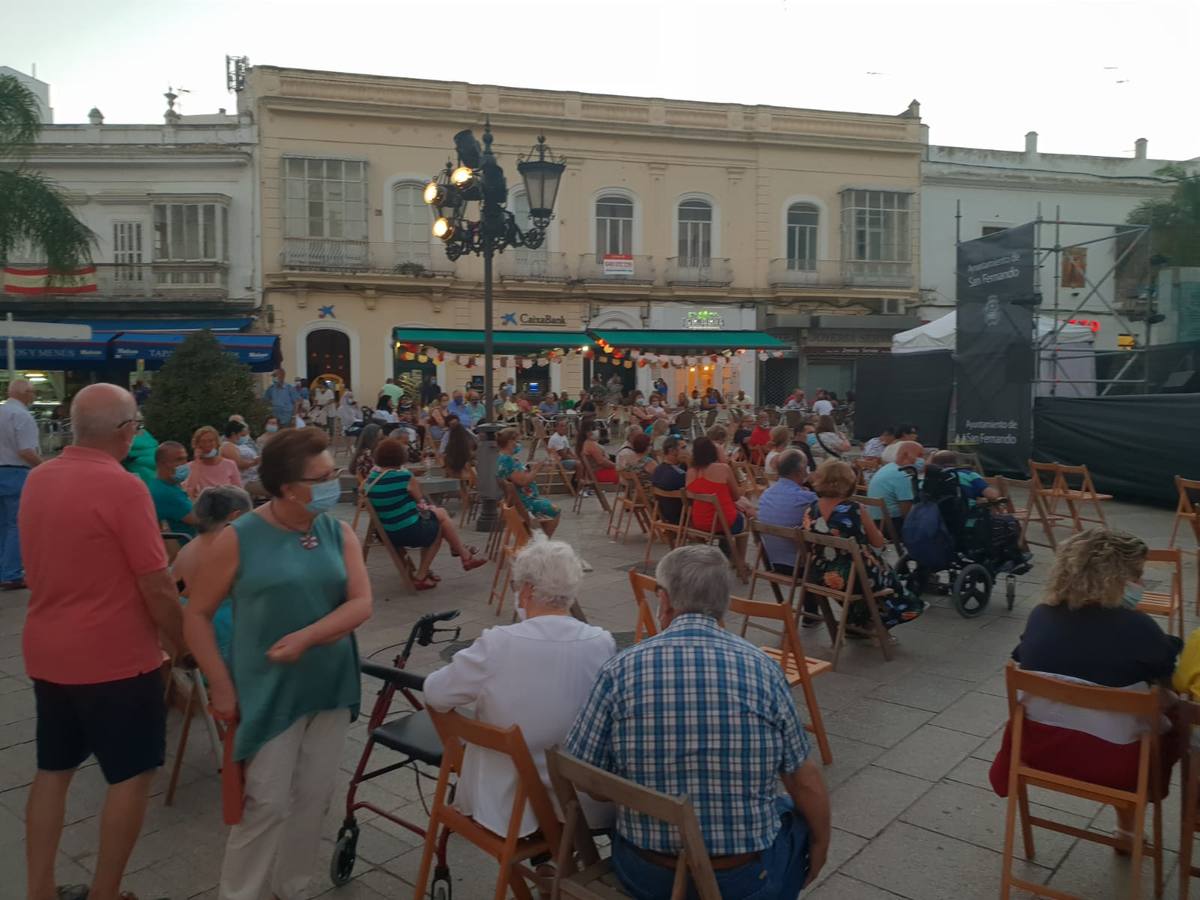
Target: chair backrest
<point>793,535</point>
<point>569,776</point>
<point>684,420</point>
<point>792,647</point>
<point>858,582</point>
<point>516,524</point>
<point>633,491</point>
<point>718,524</point>
<point>456,730</point>
<point>1023,684</point>
<point>1075,478</point>
<point>1171,559</point>
<point>382,534</point>
<point>644,587</point>
<point>1044,476</point>
<point>884,520</point>
<point>1189,495</point>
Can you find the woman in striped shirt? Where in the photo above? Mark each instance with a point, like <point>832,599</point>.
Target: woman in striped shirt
<point>406,516</point>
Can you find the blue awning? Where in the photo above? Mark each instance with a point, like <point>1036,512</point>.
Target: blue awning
<point>259,351</point>
<point>63,354</point>
<point>162,326</point>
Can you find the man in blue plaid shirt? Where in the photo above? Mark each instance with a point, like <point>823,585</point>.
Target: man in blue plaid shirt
<point>698,711</point>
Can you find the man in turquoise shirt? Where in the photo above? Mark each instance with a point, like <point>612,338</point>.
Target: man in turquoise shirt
<point>894,486</point>
<point>171,504</point>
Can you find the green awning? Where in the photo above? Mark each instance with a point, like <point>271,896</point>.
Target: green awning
<point>684,340</point>
<point>463,340</point>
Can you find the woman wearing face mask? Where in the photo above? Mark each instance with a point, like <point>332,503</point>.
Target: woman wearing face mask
<point>349,414</point>
<point>587,447</point>
<point>409,520</point>
<point>210,468</point>
<point>269,429</point>
<point>1088,630</point>
<point>239,447</point>
<point>827,442</point>
<point>296,579</point>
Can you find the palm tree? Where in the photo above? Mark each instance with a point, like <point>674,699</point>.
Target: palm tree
<point>33,212</point>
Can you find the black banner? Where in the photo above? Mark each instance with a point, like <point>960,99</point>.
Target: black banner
<point>993,363</point>
<point>1109,436</point>
<point>904,388</point>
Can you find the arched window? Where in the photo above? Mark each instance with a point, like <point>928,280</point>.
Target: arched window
<point>614,226</point>
<point>695,233</point>
<point>411,221</point>
<point>802,221</point>
<point>328,352</point>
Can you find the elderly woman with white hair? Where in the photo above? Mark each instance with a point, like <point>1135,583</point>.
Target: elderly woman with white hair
<point>535,673</point>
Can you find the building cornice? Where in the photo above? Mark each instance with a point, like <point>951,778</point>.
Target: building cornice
<point>185,155</point>
<point>1018,180</point>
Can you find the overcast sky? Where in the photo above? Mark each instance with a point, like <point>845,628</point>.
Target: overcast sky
<point>1090,76</point>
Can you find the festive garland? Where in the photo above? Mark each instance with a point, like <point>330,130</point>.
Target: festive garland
<point>628,359</point>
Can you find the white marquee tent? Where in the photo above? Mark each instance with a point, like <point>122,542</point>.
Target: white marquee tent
<point>1068,358</point>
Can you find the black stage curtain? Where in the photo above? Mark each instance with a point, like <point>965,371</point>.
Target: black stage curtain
<point>1134,446</point>
<point>904,387</point>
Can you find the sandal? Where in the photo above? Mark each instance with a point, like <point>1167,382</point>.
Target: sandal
<point>425,584</point>
<point>434,578</point>
<point>473,562</point>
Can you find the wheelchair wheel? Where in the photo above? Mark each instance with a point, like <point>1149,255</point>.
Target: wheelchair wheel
<point>971,590</point>
<point>1010,592</point>
<point>441,889</point>
<point>345,854</point>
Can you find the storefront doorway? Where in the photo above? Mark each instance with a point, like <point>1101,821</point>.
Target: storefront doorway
<point>327,351</point>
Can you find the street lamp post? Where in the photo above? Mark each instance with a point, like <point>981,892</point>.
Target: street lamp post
<point>478,178</point>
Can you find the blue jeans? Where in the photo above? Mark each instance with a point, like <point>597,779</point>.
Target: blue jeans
<point>778,874</point>
<point>12,480</point>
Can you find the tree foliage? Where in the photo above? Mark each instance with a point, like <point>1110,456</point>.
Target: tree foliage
<point>1175,221</point>
<point>33,211</point>
<point>201,384</point>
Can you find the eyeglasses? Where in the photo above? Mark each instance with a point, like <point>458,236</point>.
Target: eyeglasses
<point>336,473</point>
<point>122,424</point>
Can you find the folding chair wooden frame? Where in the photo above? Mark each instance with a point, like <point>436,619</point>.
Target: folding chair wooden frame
<point>644,587</point>
<point>1035,507</point>
<point>468,496</point>
<point>1060,490</point>
<point>197,703</point>
<point>377,535</point>
<point>568,776</point>
<point>717,530</point>
<point>510,850</point>
<point>1188,716</point>
<point>1168,603</point>
<point>671,532</point>
<point>763,570</point>
<point>1185,509</point>
<point>630,505</point>
<point>517,534</point>
<point>798,667</point>
<point>857,587</point>
<point>1142,704</point>
<point>886,527</point>
<point>585,479</point>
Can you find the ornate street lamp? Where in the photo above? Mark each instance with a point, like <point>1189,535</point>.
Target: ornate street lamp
<point>479,179</point>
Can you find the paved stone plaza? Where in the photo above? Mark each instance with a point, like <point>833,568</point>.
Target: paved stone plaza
<point>912,741</point>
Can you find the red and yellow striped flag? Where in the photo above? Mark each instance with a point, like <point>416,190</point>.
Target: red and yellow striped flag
<point>41,280</point>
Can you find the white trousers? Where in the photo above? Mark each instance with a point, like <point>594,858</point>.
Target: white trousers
<point>288,784</point>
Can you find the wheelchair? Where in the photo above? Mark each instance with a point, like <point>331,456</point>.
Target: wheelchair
<point>411,735</point>
<point>987,546</point>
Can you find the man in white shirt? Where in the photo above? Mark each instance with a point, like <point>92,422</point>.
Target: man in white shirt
<point>822,405</point>
<point>560,445</point>
<point>536,674</point>
<point>18,454</point>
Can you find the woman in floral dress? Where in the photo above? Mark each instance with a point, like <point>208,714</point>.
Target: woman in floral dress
<point>834,513</point>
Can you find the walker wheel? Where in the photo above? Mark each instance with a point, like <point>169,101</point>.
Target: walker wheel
<point>441,889</point>
<point>971,590</point>
<point>345,854</point>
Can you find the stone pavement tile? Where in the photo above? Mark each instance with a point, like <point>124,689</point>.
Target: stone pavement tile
<point>1094,871</point>
<point>922,690</point>
<point>974,713</point>
<point>16,705</point>
<point>376,846</point>
<point>1068,803</point>
<point>849,757</point>
<point>12,871</point>
<point>357,889</point>
<point>383,883</point>
<point>972,771</point>
<point>192,870</point>
<point>837,690</point>
<point>929,752</point>
<point>842,847</point>
<point>994,685</point>
<point>842,887</point>
<point>989,748</point>
<point>472,872</point>
<point>1105,821</point>
<point>16,767</point>
<point>977,816</point>
<point>12,827</point>
<point>868,801</point>
<point>923,865</point>
<point>967,662</point>
<point>9,683</point>
<point>876,722</point>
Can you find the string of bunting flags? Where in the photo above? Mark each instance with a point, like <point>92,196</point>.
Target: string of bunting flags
<point>603,353</point>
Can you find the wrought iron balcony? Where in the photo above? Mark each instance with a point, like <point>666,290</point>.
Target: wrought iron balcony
<point>616,269</point>
<point>520,264</point>
<point>325,254</point>
<point>125,281</point>
<point>878,273</point>
<point>791,272</point>
<point>698,271</point>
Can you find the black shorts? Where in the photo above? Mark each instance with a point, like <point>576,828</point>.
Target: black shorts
<point>124,723</point>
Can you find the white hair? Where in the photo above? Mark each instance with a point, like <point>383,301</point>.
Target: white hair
<point>552,569</point>
<point>894,449</point>
<point>696,579</point>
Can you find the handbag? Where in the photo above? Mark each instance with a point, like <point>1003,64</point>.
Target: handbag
<point>826,448</point>
<point>233,772</point>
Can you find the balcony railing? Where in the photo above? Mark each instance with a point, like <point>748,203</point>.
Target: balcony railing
<point>325,254</point>
<point>838,273</point>
<point>134,281</point>
<point>532,265</point>
<point>418,259</point>
<point>634,269</point>
<point>694,271</point>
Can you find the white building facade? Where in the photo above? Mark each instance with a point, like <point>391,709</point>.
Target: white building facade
<point>968,193</point>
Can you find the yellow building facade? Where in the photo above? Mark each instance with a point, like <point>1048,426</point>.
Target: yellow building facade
<point>671,216</point>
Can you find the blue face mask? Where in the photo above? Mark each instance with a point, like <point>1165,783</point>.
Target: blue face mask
<point>181,474</point>
<point>812,440</point>
<point>324,496</point>
<point>517,449</point>
<point>245,439</point>
<point>919,465</point>
<point>1133,595</point>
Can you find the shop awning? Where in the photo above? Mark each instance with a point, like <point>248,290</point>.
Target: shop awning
<point>63,354</point>
<point>684,340</point>
<point>460,340</point>
<point>259,351</point>
<point>165,326</point>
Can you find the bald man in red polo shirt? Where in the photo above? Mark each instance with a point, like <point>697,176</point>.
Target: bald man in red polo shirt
<point>101,596</point>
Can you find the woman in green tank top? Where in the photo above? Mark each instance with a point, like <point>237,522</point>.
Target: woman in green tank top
<point>296,579</point>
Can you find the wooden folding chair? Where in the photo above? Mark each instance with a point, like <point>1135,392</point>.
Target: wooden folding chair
<point>670,532</point>
<point>644,587</point>
<point>718,530</point>
<point>857,587</point>
<point>585,480</point>
<point>537,437</point>
<point>1062,489</point>
<point>886,526</point>
<point>196,704</point>
<point>1185,509</point>
<point>510,850</point>
<point>1188,717</point>
<point>970,460</point>
<point>377,535</point>
<point>360,503</point>
<point>173,541</point>
<point>569,776</point>
<point>1166,603</point>
<point>517,533</point>
<point>1034,508</point>
<point>798,667</point>
<point>631,505</point>
<point>1145,705</point>
<point>468,496</point>
<point>763,569</point>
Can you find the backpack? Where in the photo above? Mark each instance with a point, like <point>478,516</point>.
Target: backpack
<point>927,540</point>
